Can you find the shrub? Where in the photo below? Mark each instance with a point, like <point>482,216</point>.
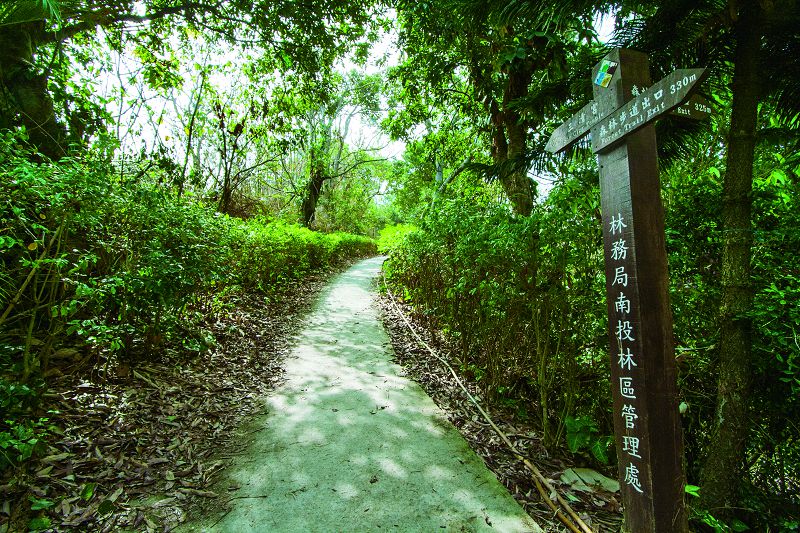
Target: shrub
<point>93,261</point>
<point>125,266</point>
<point>391,237</point>
<point>521,297</point>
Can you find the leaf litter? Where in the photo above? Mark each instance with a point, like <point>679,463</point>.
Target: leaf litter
<point>140,452</point>
<point>598,506</point>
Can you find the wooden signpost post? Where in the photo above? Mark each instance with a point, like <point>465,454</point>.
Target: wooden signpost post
<point>643,376</point>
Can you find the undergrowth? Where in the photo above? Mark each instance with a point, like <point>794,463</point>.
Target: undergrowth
<point>113,269</point>
<point>523,300</point>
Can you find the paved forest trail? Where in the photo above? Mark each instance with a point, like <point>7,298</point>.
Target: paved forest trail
<point>349,444</point>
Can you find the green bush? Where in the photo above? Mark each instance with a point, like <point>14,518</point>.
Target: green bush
<point>524,298</point>
<point>125,267</point>
<point>121,268</point>
<point>391,237</point>
<point>694,250</point>
<point>20,436</point>
<point>266,256</point>
<point>521,297</point>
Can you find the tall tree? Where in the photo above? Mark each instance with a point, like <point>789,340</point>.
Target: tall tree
<point>724,462</point>
<point>466,52</point>
<point>325,128</point>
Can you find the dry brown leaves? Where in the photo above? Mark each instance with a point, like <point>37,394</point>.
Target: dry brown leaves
<point>138,452</point>
<point>599,509</point>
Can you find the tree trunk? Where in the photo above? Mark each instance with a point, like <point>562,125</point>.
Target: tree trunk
<point>723,468</point>
<point>227,194</point>
<point>190,133</point>
<point>24,98</point>
<point>510,139</point>
<point>515,177</point>
<point>313,192</point>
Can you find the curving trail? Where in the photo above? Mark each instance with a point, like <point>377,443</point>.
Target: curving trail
<point>349,444</point>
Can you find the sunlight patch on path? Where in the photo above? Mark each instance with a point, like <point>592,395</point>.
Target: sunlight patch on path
<point>349,444</point>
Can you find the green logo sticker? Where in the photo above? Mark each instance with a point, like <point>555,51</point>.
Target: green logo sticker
<point>605,73</point>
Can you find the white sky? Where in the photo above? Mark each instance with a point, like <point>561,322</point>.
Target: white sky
<point>604,26</point>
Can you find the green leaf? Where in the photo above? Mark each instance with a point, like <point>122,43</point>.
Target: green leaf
<point>692,490</point>
<point>589,478</point>
<point>17,12</point>
<point>105,507</point>
<point>38,505</point>
<point>576,441</point>
<point>39,524</point>
<point>738,525</point>
<point>88,491</point>
<point>778,177</point>
<point>599,449</point>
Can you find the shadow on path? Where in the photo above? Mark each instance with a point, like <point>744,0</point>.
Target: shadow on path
<point>348,444</point>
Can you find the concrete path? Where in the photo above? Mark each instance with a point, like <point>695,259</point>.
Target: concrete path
<point>348,444</point>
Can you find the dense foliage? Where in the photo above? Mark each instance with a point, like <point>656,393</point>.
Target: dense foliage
<point>160,157</point>
<point>474,267</point>
<point>117,270</point>
<point>523,299</point>
<point>523,295</point>
<point>694,244</point>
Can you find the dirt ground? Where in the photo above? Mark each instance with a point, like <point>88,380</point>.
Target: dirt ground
<point>136,447</point>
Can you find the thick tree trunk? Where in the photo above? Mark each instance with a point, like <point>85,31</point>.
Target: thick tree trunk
<point>515,180</point>
<point>313,192</point>
<point>510,139</point>
<point>227,194</point>
<point>24,98</point>
<point>508,150</point>
<point>722,470</point>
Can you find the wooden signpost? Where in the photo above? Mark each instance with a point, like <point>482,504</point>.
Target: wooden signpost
<point>643,376</point>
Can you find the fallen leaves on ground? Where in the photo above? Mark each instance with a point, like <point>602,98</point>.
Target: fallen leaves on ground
<point>136,452</point>
<point>599,508</point>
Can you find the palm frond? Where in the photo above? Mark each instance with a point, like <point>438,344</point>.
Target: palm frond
<point>21,11</point>
<point>781,68</point>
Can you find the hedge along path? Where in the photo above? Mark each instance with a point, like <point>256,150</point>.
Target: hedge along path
<point>540,481</point>
<point>349,444</point>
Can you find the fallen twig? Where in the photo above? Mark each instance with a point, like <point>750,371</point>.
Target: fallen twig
<point>578,526</point>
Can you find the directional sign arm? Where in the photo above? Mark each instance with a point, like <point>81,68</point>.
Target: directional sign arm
<point>695,108</point>
<point>573,129</point>
<point>660,98</point>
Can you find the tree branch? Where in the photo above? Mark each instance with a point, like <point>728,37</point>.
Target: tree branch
<point>106,17</point>
<point>453,175</point>
<point>354,166</point>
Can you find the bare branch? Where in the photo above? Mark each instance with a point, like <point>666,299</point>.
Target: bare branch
<point>354,166</point>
